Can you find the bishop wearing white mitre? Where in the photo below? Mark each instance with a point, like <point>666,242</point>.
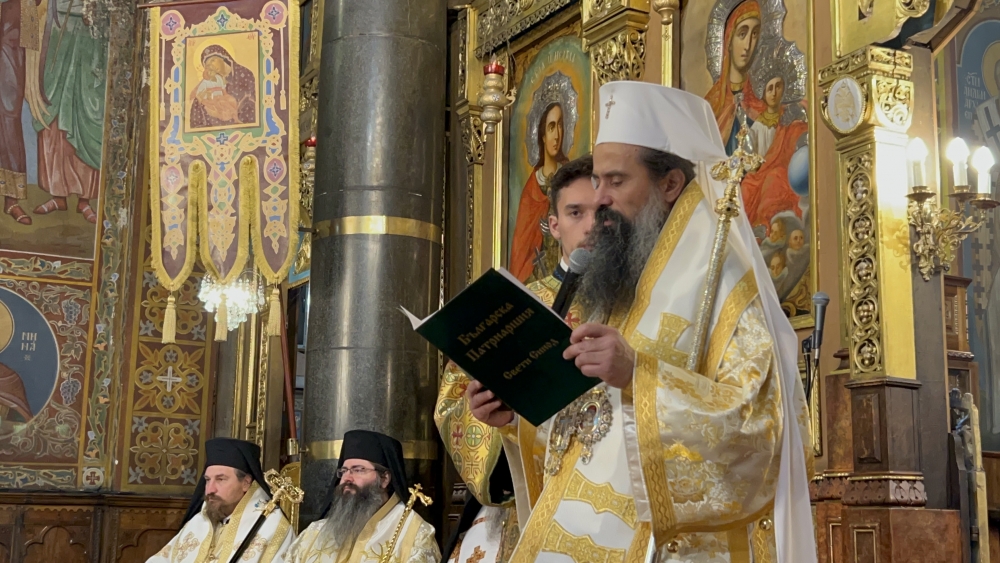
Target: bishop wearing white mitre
<point>658,462</point>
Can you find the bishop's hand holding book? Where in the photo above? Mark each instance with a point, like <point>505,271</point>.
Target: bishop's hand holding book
<point>503,336</point>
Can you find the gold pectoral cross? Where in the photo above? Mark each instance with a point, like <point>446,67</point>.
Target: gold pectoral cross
<point>664,347</point>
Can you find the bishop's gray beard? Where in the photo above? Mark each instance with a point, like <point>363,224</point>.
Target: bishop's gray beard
<point>618,257</point>
<point>349,513</point>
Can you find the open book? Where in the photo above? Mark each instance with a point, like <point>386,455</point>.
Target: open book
<point>503,335</point>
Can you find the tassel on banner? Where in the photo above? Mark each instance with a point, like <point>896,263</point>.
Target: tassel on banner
<point>170,321</point>
<point>221,322</point>
<point>274,313</point>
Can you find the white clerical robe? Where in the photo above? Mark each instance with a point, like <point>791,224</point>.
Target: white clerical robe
<point>416,543</point>
<point>486,541</point>
<point>199,542</point>
<point>688,464</point>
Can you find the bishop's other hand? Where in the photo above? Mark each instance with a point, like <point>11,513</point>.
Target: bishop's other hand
<point>601,351</point>
<point>486,407</point>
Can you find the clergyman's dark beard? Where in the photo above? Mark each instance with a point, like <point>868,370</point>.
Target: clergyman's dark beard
<point>620,250</point>
<point>350,512</point>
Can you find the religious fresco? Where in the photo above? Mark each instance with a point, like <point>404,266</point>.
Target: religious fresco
<point>969,106</point>
<point>52,107</point>
<point>43,355</point>
<point>549,126</point>
<point>744,57</point>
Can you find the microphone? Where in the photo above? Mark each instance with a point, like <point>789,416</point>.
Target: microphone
<point>579,260</point>
<point>820,301</point>
<point>811,345</point>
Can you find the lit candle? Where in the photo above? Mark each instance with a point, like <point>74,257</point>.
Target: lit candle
<point>916,153</point>
<point>982,161</point>
<point>958,154</point>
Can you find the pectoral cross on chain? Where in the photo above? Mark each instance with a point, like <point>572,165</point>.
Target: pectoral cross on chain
<point>611,102</point>
<point>664,347</point>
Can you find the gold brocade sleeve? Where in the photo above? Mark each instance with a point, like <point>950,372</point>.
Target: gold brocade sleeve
<point>472,446</point>
<point>710,450</point>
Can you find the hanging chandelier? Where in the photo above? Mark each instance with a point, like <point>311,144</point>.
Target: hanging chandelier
<point>232,302</point>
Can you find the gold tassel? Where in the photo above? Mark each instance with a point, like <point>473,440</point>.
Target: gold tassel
<point>284,101</point>
<point>221,322</point>
<point>274,315</point>
<point>170,321</point>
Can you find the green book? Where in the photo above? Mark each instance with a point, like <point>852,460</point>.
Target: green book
<point>504,336</point>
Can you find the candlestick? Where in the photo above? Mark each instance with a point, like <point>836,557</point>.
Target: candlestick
<point>982,161</point>
<point>916,153</point>
<point>958,154</point>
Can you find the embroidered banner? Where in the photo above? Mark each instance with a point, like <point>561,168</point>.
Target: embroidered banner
<point>224,101</point>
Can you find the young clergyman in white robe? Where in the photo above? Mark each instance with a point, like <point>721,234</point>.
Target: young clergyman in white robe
<point>226,505</point>
<point>659,462</point>
<point>489,534</point>
<point>367,507</point>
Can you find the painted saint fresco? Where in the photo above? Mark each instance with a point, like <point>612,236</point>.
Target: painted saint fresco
<point>52,100</point>
<point>757,73</point>
<point>972,68</point>
<point>550,125</point>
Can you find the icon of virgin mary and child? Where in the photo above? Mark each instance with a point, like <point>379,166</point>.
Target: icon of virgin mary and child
<point>226,94</point>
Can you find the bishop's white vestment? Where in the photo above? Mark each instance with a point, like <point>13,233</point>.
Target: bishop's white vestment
<point>201,542</point>
<point>416,542</point>
<point>710,465</point>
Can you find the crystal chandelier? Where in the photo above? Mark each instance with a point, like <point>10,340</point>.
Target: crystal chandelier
<point>232,303</point>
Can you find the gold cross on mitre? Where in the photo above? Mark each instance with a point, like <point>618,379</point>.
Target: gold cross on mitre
<point>664,347</point>
<point>611,102</point>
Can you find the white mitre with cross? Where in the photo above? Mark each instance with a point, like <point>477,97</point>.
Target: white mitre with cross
<point>661,118</point>
<point>678,122</point>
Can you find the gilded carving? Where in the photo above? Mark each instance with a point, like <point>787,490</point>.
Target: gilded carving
<point>862,260</point>
<point>474,142</point>
<point>879,21</point>
<point>463,58</point>
<point>504,20</point>
<point>621,57</point>
<point>601,8</point>
<point>893,101</point>
<point>473,139</point>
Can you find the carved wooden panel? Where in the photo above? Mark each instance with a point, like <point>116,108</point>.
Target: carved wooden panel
<point>869,428</point>
<point>134,534</point>
<point>8,526</point>
<point>85,528</point>
<point>865,543</point>
<point>58,534</point>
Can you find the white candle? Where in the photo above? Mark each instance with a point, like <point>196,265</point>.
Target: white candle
<point>982,161</point>
<point>916,153</point>
<point>958,154</point>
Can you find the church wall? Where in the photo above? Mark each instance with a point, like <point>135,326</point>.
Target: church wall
<point>81,317</point>
<point>64,278</point>
<point>89,397</point>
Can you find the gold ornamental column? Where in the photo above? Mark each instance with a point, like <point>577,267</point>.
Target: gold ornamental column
<point>614,33</point>
<point>867,101</point>
<point>469,83</point>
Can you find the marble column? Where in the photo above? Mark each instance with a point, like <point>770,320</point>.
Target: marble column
<point>377,243</point>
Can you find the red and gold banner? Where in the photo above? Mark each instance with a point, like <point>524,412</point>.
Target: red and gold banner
<point>224,135</point>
